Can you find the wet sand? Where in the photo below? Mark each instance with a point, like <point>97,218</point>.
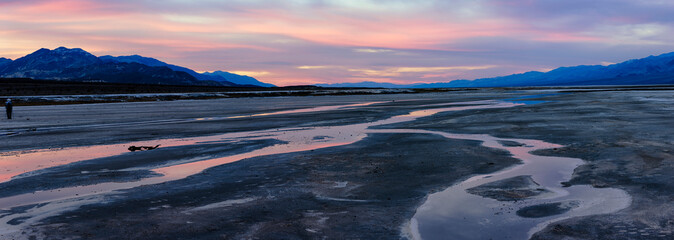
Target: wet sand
<point>367,187</point>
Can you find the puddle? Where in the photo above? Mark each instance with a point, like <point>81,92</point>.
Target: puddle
<point>26,163</point>
<point>13,164</point>
<point>456,214</point>
<point>452,212</point>
<point>297,140</point>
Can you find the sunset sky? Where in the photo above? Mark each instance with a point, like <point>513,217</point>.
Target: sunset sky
<point>293,42</point>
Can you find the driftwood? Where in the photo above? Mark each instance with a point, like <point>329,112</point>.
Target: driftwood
<point>142,148</point>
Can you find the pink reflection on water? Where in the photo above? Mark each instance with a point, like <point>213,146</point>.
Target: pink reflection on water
<point>303,139</point>
<point>13,164</point>
<point>456,214</point>
<point>452,210</point>
<point>297,140</point>
<point>301,110</point>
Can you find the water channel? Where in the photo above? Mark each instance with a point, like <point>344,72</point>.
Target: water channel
<point>450,214</point>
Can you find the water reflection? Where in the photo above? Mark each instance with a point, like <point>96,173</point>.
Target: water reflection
<point>456,214</point>
<point>53,202</point>
<point>296,140</point>
<point>24,163</point>
<point>452,214</point>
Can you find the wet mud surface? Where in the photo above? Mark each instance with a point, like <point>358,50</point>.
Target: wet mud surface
<point>511,189</point>
<point>358,191</point>
<point>41,127</point>
<point>367,189</point>
<point>547,209</point>
<point>626,137</point>
<point>126,167</point>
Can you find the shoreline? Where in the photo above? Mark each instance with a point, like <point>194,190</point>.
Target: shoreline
<point>32,93</point>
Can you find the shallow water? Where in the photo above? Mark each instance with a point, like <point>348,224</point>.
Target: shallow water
<point>449,212</point>
<point>22,163</point>
<point>297,140</point>
<point>456,214</point>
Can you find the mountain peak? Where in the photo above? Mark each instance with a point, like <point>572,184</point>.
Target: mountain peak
<point>75,64</point>
<point>62,51</point>
<point>40,51</point>
<point>4,61</point>
<point>45,62</point>
<point>65,50</point>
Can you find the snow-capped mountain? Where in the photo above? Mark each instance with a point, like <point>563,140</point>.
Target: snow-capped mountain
<point>76,64</point>
<point>50,63</point>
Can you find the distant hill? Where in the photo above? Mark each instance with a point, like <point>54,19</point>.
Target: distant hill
<point>644,71</point>
<point>4,61</point>
<point>78,65</point>
<point>235,78</point>
<point>225,78</point>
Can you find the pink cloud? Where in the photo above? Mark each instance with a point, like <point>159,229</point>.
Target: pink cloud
<point>247,36</point>
<point>64,9</point>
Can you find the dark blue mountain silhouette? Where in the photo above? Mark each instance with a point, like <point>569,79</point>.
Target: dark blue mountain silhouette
<point>4,61</point>
<point>226,78</point>
<point>646,71</point>
<point>238,79</point>
<point>78,65</point>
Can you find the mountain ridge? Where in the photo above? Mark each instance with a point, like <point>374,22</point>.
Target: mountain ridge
<point>236,78</point>
<point>79,65</point>
<point>649,70</point>
<point>231,79</point>
<point>224,77</point>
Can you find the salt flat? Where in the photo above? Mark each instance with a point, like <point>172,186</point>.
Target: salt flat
<point>334,166</point>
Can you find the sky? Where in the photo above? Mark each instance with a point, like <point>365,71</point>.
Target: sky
<point>293,42</point>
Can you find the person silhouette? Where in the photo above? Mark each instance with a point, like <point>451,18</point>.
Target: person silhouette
<point>8,107</point>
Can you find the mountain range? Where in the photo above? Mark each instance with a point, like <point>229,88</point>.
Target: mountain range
<point>226,78</point>
<point>644,71</point>
<point>75,64</point>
